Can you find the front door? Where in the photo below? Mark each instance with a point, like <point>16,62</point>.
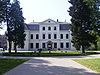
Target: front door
<point>49,45</point>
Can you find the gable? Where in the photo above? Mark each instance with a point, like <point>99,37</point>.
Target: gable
<point>48,21</point>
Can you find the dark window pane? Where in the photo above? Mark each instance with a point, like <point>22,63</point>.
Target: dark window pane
<point>37,45</point>
<point>61,36</point>
<point>37,36</point>
<point>43,28</point>
<point>66,36</point>
<point>31,45</point>
<point>55,45</point>
<point>67,45</point>
<point>55,36</point>
<point>43,45</point>
<point>43,36</point>
<point>49,28</point>
<point>54,28</point>
<point>61,45</point>
<point>31,36</point>
<point>49,36</point>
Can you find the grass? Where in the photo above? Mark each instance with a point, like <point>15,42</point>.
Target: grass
<point>93,64</point>
<point>8,64</point>
<point>46,53</point>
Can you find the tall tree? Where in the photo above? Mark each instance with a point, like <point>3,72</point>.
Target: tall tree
<point>17,22</point>
<point>4,17</point>
<point>81,24</point>
<point>95,17</point>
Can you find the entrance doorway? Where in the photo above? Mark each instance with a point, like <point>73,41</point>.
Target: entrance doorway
<point>49,45</point>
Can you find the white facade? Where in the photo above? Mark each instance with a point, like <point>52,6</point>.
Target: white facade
<point>48,34</point>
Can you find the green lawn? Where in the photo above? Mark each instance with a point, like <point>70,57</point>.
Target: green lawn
<point>8,64</point>
<point>93,64</point>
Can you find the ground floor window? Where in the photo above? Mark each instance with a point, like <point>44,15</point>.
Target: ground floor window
<point>37,45</point>
<point>61,45</point>
<point>55,45</point>
<point>43,45</point>
<point>67,45</point>
<point>31,45</point>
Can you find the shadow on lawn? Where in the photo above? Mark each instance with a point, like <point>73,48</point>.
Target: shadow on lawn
<point>43,67</point>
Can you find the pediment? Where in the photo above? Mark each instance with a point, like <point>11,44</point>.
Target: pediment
<point>49,21</point>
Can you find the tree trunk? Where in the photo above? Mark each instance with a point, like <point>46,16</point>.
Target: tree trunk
<point>15,47</point>
<point>96,46</point>
<point>9,46</point>
<point>83,50</point>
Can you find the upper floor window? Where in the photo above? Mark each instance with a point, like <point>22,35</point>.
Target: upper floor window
<point>37,36</point>
<point>66,36</point>
<point>49,36</point>
<point>54,28</point>
<point>49,28</point>
<point>43,28</point>
<point>55,36</point>
<point>61,36</point>
<point>43,36</point>
<point>31,36</point>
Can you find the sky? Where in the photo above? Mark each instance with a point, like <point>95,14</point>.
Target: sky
<point>40,10</point>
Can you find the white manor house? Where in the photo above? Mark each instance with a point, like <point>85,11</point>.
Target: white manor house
<point>48,34</point>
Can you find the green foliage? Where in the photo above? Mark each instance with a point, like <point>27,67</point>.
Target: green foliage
<point>17,21</point>
<point>81,24</point>
<point>93,64</point>
<point>8,64</point>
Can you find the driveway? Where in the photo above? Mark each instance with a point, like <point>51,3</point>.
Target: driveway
<point>50,66</point>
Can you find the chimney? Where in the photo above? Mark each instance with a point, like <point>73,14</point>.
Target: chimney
<point>33,20</point>
<point>57,20</point>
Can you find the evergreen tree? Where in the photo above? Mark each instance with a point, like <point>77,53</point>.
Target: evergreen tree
<point>17,22</point>
<point>81,24</point>
<point>4,17</point>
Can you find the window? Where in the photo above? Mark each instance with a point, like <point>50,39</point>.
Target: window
<point>31,45</point>
<point>37,36</point>
<point>49,21</point>
<point>37,45</point>
<point>61,36</point>
<point>55,36</point>
<point>66,36</point>
<point>49,28</point>
<point>43,28</point>
<point>67,45</point>
<point>55,45</point>
<point>61,45</point>
<point>49,36</point>
<point>54,28</point>
<point>43,36</point>
<point>31,36</point>
<point>43,45</point>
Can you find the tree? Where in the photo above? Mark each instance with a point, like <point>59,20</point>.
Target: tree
<point>17,22</point>
<point>4,17</point>
<point>81,24</point>
<point>95,17</point>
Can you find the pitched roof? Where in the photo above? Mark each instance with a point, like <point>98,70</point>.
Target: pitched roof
<point>33,26</point>
<point>65,26</point>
